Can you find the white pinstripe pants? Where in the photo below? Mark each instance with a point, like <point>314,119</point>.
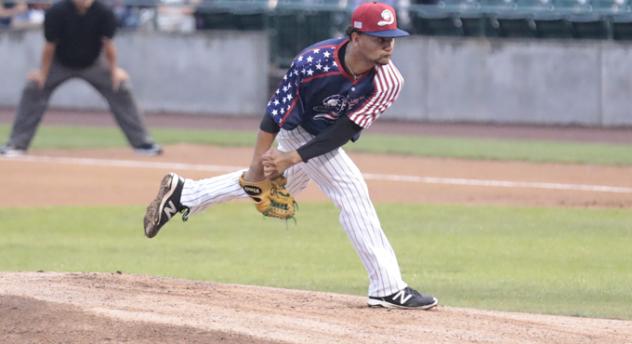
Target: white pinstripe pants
<point>341,180</point>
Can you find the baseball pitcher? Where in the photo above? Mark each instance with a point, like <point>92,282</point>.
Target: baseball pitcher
<point>333,90</point>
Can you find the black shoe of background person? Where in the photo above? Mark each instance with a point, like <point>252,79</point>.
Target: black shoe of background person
<point>11,151</point>
<point>407,298</point>
<point>148,149</point>
<point>165,205</point>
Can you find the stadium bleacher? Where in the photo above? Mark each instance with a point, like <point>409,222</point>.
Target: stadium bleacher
<point>578,19</point>
<point>293,24</point>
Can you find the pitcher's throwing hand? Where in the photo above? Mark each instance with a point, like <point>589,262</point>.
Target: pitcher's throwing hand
<point>276,162</point>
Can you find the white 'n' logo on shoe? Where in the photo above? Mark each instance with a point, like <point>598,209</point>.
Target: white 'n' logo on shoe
<point>403,298</point>
<point>170,209</point>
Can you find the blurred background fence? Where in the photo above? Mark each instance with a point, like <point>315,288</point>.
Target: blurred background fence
<point>525,61</point>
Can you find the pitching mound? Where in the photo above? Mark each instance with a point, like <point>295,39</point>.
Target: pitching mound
<point>102,307</point>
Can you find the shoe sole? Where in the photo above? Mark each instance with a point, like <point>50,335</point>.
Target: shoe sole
<point>383,304</point>
<point>153,215</point>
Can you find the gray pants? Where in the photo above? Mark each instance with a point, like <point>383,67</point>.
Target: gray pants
<point>34,103</point>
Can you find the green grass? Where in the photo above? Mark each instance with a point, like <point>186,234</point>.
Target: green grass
<point>466,148</point>
<point>557,261</point>
<point>498,149</point>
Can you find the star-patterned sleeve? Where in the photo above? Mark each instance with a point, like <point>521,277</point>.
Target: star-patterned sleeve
<point>285,102</point>
<point>388,83</point>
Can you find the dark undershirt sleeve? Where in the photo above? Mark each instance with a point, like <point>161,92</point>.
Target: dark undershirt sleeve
<point>335,136</point>
<point>269,125</point>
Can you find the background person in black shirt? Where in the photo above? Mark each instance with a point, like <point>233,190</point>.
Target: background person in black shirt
<point>77,32</point>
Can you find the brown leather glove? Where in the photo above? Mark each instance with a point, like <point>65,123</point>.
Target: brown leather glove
<point>271,197</point>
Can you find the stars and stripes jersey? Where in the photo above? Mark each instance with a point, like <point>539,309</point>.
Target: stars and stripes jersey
<point>316,91</point>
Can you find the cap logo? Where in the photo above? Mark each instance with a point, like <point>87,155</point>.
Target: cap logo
<point>357,24</point>
<point>388,18</point>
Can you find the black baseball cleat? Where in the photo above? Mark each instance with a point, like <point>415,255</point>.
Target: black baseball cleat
<point>165,205</point>
<point>407,298</point>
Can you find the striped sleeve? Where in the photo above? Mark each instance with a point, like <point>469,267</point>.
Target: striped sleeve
<point>387,84</point>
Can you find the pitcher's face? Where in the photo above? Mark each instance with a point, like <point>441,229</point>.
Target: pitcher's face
<point>378,50</point>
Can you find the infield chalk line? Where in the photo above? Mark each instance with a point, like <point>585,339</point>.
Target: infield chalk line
<point>368,176</point>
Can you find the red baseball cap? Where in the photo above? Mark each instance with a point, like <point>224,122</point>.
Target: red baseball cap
<point>376,19</point>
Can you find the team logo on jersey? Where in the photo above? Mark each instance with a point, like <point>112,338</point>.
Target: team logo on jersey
<point>388,17</point>
<point>334,106</point>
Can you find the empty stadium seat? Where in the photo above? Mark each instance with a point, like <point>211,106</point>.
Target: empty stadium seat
<point>505,19</point>
<point>552,25</point>
<point>437,23</point>
<point>476,25</point>
<point>467,17</point>
<point>515,25</point>
<point>589,25</point>
<point>621,25</point>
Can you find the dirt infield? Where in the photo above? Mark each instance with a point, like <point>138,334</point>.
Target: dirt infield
<point>97,308</point>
